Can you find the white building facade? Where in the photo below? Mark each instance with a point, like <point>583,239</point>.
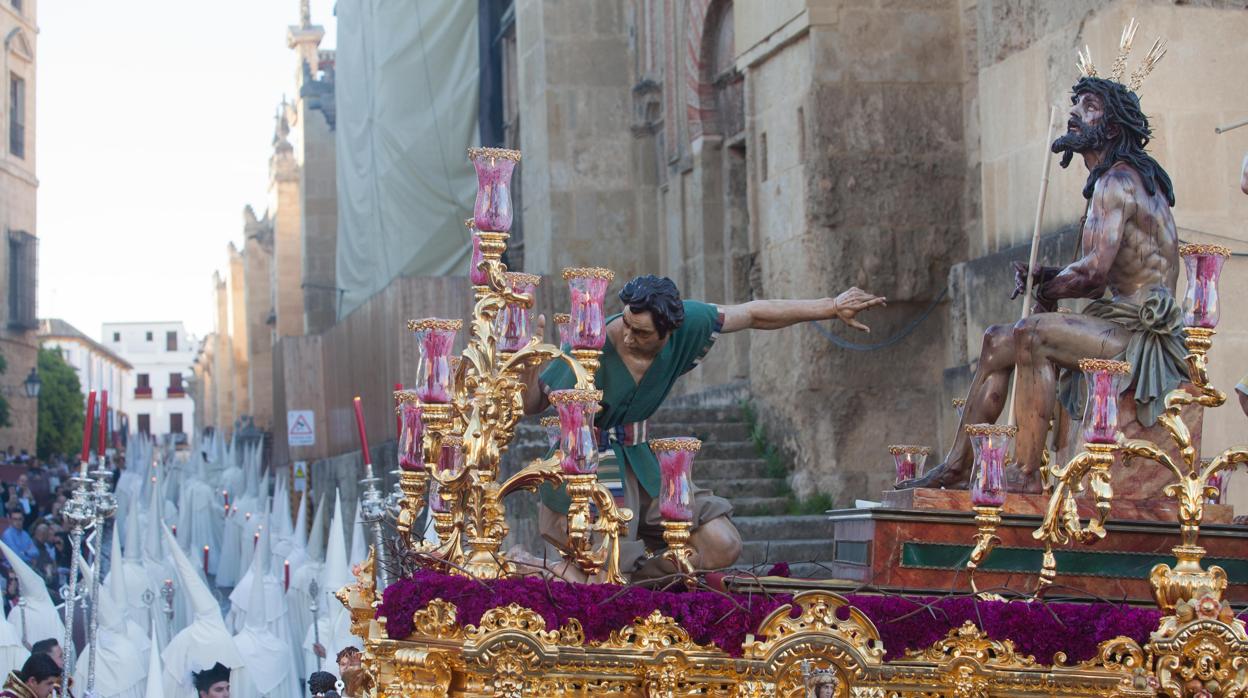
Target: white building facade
<point>157,396</point>
<point>98,367</point>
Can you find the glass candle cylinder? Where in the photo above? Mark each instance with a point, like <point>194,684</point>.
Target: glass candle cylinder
<point>1204,267</point>
<point>552,427</point>
<point>1105,380</point>
<point>909,461</point>
<point>1218,480</point>
<point>676,476</point>
<point>515,322</point>
<point>494,166</point>
<point>563,323</point>
<point>436,337</point>
<point>476,275</point>
<point>959,404</point>
<point>451,458</point>
<point>578,442</point>
<point>412,434</point>
<point>436,505</point>
<point>588,286</point>
<point>992,446</point>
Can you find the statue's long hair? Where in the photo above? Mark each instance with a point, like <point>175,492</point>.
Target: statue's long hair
<point>1122,109</point>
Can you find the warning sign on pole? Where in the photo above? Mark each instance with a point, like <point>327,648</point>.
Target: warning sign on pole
<point>301,475</point>
<point>300,428</point>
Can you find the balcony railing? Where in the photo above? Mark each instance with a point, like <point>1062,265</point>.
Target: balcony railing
<point>172,391</point>
<point>142,393</point>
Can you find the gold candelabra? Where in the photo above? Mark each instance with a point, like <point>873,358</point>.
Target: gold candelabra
<point>1187,580</point>
<point>486,400</point>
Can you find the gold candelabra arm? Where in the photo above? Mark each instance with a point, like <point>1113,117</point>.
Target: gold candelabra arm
<point>611,524</point>
<point>1139,448</point>
<point>987,519</point>
<point>1061,518</point>
<point>534,474</point>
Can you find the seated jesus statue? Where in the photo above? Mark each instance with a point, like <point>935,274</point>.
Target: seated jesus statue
<point>655,340</point>
<point>1128,266</point>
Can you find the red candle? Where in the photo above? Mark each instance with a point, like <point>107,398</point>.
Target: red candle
<point>205,560</point>
<point>99,451</point>
<point>398,421</point>
<point>227,498</point>
<point>359,423</point>
<point>86,430</point>
<point>255,540</point>
<point>175,530</point>
<point>286,574</point>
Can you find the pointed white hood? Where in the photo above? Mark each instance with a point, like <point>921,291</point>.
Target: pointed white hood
<point>358,549</point>
<point>41,619</point>
<point>269,661</point>
<point>300,537</point>
<point>316,538</point>
<point>205,641</point>
<point>119,666</point>
<point>155,685</point>
<point>337,570</point>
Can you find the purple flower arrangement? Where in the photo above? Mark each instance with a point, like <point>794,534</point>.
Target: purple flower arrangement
<point>712,618</point>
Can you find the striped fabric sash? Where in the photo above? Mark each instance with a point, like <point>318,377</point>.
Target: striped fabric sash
<point>610,472</point>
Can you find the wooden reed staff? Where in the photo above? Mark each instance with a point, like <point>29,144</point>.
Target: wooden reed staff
<point>1035,243</point>
<point>1230,127</point>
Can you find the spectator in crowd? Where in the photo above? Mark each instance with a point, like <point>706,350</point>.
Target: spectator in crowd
<point>52,648</point>
<point>37,678</point>
<point>18,539</point>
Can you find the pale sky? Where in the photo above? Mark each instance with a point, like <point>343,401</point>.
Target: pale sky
<point>154,120</point>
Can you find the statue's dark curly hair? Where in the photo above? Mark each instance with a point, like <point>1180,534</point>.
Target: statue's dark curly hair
<point>1122,109</point>
<point>658,296</point>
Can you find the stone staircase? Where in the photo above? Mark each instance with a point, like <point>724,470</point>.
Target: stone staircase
<point>730,466</point>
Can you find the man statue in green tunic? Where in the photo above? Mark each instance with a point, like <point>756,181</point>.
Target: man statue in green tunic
<point>653,342</point>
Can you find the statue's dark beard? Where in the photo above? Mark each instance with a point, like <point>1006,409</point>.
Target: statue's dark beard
<point>1083,139</point>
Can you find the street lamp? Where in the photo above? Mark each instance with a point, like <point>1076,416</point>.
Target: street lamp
<point>32,384</point>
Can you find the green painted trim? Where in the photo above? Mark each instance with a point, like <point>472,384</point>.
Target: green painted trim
<point>945,556</point>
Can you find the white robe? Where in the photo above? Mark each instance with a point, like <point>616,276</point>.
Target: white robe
<point>299,609</point>
<point>199,522</point>
<point>12,653</point>
<point>269,670</point>
<point>120,670</point>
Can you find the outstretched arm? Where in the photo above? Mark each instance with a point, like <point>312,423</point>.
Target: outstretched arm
<point>775,314</point>
<point>1113,204</point>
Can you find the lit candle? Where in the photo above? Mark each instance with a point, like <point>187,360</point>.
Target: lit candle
<point>398,421</point>
<point>86,432</point>
<point>286,575</point>
<point>226,493</point>
<point>175,530</point>
<point>99,451</point>
<point>247,516</point>
<point>359,424</point>
<point>205,560</point>
<point>255,540</point>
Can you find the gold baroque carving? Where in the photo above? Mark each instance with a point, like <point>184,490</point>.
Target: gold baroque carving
<point>819,614</point>
<point>652,633</point>
<point>969,641</point>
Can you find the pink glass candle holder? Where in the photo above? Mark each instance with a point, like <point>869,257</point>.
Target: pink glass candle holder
<point>435,337</point>
<point>1204,267</point>
<point>412,431</point>
<point>588,286</point>
<point>477,276</point>
<point>909,461</point>
<point>1105,380</point>
<point>451,458</point>
<point>552,428</point>
<point>436,505</point>
<point>492,212</point>
<point>676,476</point>
<point>1218,480</point>
<point>992,446</point>
<point>578,442</point>
<point>515,322</point>
<point>563,323</point>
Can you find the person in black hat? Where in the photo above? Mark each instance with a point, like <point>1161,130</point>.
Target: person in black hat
<point>214,682</point>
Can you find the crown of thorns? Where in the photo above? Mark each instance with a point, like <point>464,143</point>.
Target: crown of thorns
<point>1155,53</point>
